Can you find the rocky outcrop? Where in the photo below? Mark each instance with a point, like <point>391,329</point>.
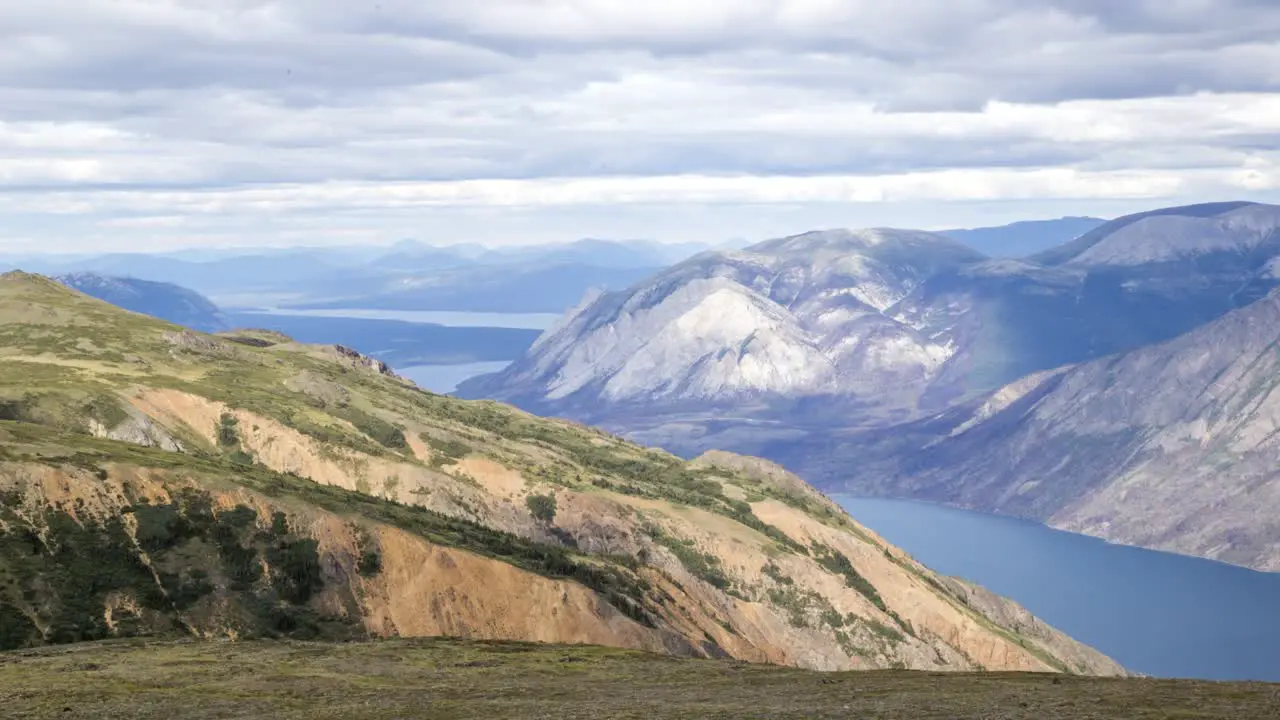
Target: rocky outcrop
<point>137,429</point>
<point>360,361</point>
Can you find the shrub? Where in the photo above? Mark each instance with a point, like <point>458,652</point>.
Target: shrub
<point>228,433</point>
<point>542,507</point>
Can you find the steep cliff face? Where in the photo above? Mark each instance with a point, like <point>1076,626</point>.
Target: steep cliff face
<point>284,489</point>
<point>1172,446</point>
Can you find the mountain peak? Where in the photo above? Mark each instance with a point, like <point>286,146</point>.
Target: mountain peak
<point>847,240</point>
<point>1170,234</point>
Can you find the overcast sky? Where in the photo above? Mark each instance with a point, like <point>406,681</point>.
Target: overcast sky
<point>133,123</point>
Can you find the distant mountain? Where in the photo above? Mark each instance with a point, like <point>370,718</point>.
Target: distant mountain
<point>798,316</point>
<point>763,350</point>
<point>1172,446</point>
<point>162,300</point>
<point>1028,237</point>
<point>529,288</point>
<point>597,253</point>
<point>406,275</point>
<point>1185,234</point>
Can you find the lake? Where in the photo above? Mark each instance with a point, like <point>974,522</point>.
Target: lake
<point>445,379</point>
<point>448,318</point>
<point>1156,613</point>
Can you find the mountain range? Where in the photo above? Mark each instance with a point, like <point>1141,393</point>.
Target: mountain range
<point>884,324</point>
<point>864,349</point>
<point>1026,237</point>
<point>406,275</point>
<point>162,482</point>
<point>412,275</point>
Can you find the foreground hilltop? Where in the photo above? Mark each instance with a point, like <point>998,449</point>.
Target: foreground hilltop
<point>161,481</point>
<point>459,679</point>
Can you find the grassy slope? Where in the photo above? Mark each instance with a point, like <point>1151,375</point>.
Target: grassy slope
<point>69,358</point>
<point>454,679</point>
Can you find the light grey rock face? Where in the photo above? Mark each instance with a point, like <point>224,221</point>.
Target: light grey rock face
<point>1173,446</point>
<point>138,429</point>
<point>795,317</point>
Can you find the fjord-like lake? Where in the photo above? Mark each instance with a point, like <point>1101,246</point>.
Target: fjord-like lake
<point>1156,613</point>
<point>444,379</point>
<point>448,318</point>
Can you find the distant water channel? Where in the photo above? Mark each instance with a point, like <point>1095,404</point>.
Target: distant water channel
<point>445,379</point>
<point>448,318</point>
<point>1157,613</point>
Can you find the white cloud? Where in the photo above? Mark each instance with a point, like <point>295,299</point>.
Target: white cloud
<point>272,121</point>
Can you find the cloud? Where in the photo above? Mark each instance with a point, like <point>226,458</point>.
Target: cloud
<point>267,121</point>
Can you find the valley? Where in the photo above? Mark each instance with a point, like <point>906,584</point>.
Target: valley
<point>244,485</point>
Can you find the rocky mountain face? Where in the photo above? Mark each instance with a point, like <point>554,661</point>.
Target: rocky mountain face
<point>790,318</point>
<point>162,300</point>
<point>161,481</point>
<point>1173,446</point>
<point>758,349</point>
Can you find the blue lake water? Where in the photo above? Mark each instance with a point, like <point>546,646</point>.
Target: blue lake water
<point>450,318</point>
<point>1156,613</point>
<point>445,379</point>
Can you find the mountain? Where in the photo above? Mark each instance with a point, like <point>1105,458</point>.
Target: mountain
<point>597,253</point>
<point>1172,446</point>
<point>478,288</point>
<point>408,275</point>
<point>803,315</point>
<point>259,272</point>
<point>162,300</point>
<point>796,338</point>
<point>1028,237</point>
<point>160,481</point>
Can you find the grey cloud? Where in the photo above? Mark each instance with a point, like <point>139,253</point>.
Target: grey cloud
<point>211,93</point>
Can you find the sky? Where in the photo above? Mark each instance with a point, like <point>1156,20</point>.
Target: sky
<point>157,124</point>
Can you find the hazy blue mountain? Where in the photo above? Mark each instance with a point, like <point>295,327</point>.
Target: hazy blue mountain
<point>276,271</point>
<point>407,275</point>
<point>598,253</point>
<point>162,300</point>
<point>1021,239</point>
<point>484,288</point>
